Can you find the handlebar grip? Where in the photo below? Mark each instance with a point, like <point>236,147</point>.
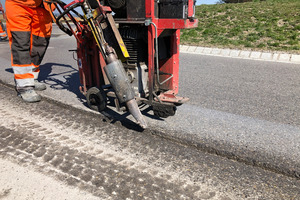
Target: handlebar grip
<point>64,29</point>
<point>66,11</point>
<point>72,3</point>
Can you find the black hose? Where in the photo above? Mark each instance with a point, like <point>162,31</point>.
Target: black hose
<point>59,24</point>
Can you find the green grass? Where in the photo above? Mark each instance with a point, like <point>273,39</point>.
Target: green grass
<point>268,25</point>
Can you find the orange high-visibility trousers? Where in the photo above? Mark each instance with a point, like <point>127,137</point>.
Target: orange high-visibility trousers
<point>2,32</point>
<point>29,30</point>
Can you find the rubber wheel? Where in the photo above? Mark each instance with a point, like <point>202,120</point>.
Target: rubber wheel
<point>164,110</point>
<point>96,99</point>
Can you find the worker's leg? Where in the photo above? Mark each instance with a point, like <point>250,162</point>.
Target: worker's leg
<point>18,23</point>
<point>41,32</point>
<point>3,35</point>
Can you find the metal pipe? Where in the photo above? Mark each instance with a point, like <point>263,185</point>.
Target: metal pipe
<point>124,92</point>
<point>157,59</point>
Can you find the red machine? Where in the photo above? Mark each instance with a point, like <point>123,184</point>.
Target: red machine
<point>128,51</point>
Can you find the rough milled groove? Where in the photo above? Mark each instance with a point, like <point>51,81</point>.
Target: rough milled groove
<point>81,150</point>
<point>111,161</point>
<point>216,148</point>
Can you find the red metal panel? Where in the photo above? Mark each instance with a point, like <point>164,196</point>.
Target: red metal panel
<point>95,64</point>
<point>171,66</point>
<point>151,77</point>
<point>149,6</point>
<point>191,8</point>
<point>177,23</point>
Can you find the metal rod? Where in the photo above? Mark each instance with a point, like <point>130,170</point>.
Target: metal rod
<point>157,59</point>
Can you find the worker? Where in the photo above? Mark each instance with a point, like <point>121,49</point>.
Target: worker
<point>3,35</point>
<point>29,27</point>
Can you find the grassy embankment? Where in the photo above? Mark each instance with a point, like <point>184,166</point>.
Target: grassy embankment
<point>271,25</point>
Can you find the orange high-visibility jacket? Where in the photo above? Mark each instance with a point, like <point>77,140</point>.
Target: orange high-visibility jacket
<point>29,29</point>
<point>27,3</point>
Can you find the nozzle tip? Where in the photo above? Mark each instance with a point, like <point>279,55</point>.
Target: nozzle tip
<point>136,113</point>
<point>143,125</point>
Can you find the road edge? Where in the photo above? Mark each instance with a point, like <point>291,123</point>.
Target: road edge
<point>243,54</point>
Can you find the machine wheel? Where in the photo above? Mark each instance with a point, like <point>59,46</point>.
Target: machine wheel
<point>96,99</point>
<point>164,110</point>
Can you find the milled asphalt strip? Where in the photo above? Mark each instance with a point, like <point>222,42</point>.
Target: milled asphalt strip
<point>244,54</point>
<point>272,146</point>
<point>250,153</point>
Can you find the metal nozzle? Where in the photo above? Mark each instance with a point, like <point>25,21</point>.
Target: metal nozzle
<point>119,80</point>
<point>136,113</point>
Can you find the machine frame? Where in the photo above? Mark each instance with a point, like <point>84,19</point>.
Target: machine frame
<point>93,45</point>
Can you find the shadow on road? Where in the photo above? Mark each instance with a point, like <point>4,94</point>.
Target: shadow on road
<point>71,82</point>
<point>68,79</point>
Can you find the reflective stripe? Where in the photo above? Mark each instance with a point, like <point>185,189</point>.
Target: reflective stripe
<point>24,76</point>
<point>22,69</point>
<point>35,72</point>
<point>24,82</point>
<point>23,72</point>
<point>3,34</point>
<point>36,75</point>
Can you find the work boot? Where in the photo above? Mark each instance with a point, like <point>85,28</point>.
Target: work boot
<point>28,94</point>
<point>39,86</point>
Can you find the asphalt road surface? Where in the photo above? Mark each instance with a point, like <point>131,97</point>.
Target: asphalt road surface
<point>247,111</point>
<point>85,151</point>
